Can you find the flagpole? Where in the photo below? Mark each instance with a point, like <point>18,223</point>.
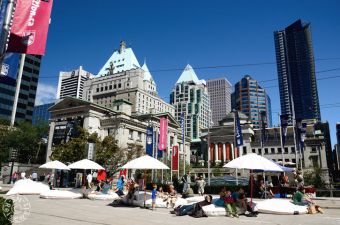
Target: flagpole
<point>282,147</point>
<point>183,137</point>
<point>17,89</point>
<point>235,143</point>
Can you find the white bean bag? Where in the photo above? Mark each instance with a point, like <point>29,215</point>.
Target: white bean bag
<point>101,196</point>
<point>280,206</point>
<point>160,203</point>
<point>28,187</point>
<point>195,199</point>
<point>59,194</point>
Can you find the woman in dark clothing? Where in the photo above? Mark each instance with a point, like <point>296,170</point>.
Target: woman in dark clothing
<point>194,210</point>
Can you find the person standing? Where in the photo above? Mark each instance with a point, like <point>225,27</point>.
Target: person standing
<point>14,177</point>
<point>89,180</point>
<point>23,175</point>
<point>201,184</point>
<point>120,186</point>
<point>154,196</point>
<point>186,182</point>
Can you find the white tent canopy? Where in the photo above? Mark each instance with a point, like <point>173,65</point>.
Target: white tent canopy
<point>86,164</point>
<point>145,162</point>
<point>54,165</point>
<point>254,162</point>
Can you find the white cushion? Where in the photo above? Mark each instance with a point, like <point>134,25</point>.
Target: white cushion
<point>280,206</point>
<point>100,196</point>
<point>59,194</point>
<point>195,199</point>
<point>28,187</point>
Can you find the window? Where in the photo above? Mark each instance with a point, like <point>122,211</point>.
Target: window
<point>119,85</point>
<point>139,136</point>
<point>272,150</point>
<point>244,150</point>
<point>130,134</point>
<point>266,151</point>
<point>260,151</point>
<point>279,150</point>
<point>286,150</point>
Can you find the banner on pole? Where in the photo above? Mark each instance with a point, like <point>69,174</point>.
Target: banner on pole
<point>9,68</point>
<point>163,133</point>
<point>182,120</point>
<point>30,26</point>
<point>175,156</point>
<point>284,127</point>
<point>238,131</point>
<point>263,127</point>
<point>149,141</point>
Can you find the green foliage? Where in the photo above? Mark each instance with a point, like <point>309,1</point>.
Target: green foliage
<point>314,178</point>
<point>7,210</point>
<point>26,139</point>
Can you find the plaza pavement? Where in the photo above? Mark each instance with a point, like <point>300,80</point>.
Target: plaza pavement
<point>84,211</point>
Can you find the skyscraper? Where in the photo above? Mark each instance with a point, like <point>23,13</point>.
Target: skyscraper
<point>251,99</point>
<point>220,98</point>
<point>190,97</point>
<point>27,94</point>
<point>41,113</point>
<point>296,71</point>
<point>72,83</point>
<point>338,133</point>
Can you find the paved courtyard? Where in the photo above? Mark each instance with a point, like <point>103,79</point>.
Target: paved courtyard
<point>83,211</point>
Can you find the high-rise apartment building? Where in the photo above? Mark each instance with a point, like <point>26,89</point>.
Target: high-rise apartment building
<point>220,98</point>
<point>72,83</point>
<point>251,99</point>
<point>190,97</point>
<point>296,71</point>
<point>27,94</point>
<point>338,132</point>
<point>41,113</point>
<point>123,78</point>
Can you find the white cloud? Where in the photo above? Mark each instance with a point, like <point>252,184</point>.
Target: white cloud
<point>46,93</point>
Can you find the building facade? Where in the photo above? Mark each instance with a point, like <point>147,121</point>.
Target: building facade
<point>190,97</point>
<point>222,148</point>
<point>296,71</point>
<point>72,83</point>
<point>41,113</point>
<point>127,128</point>
<point>251,99</point>
<point>27,94</point>
<point>220,98</point>
<point>134,84</point>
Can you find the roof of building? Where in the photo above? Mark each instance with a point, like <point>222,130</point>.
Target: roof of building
<point>147,74</point>
<point>121,60</point>
<point>188,75</point>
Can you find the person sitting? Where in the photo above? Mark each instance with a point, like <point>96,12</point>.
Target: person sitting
<point>120,186</point>
<point>220,201</point>
<point>106,187</point>
<point>172,197</point>
<point>161,194</point>
<point>230,205</point>
<point>241,201</point>
<point>194,210</point>
<point>189,193</point>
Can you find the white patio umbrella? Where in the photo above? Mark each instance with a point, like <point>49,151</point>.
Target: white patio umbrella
<point>253,162</point>
<point>54,165</point>
<point>86,164</point>
<point>145,162</point>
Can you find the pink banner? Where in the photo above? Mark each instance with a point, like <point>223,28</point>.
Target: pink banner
<point>30,26</point>
<point>175,156</point>
<point>163,129</point>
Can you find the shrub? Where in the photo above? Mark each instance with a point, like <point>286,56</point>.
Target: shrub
<point>6,220</point>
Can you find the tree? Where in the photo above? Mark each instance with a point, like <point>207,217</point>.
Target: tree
<point>314,177</point>
<point>108,153</point>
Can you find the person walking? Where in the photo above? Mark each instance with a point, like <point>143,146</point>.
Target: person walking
<point>200,185</point>
<point>186,182</point>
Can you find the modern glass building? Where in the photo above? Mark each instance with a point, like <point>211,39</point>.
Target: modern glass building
<point>296,71</point>
<point>41,113</point>
<point>220,98</point>
<point>190,97</point>
<point>251,99</point>
<point>27,94</point>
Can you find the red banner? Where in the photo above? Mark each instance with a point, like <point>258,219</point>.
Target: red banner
<point>163,129</point>
<point>30,26</point>
<point>175,156</point>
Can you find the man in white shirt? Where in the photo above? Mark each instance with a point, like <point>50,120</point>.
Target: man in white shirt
<point>34,176</point>
<point>23,175</point>
<point>89,180</point>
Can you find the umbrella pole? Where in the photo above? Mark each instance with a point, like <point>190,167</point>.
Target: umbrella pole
<point>251,189</point>
<point>144,188</point>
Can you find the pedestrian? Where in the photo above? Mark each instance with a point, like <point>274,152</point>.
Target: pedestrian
<point>89,180</point>
<point>186,182</point>
<point>23,175</point>
<point>14,177</point>
<point>120,186</point>
<point>34,176</point>
<point>200,185</point>
<point>154,196</point>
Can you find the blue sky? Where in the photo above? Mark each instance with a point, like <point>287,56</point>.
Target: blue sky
<point>170,34</point>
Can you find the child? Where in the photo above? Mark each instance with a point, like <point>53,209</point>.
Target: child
<point>230,205</point>
<point>154,196</point>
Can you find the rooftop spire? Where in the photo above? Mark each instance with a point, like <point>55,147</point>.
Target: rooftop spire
<point>122,46</point>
